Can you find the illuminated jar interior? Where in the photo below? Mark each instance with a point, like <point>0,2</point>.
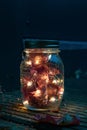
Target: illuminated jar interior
<point>41,75</point>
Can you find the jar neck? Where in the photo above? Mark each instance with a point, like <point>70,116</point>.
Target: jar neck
<point>42,50</point>
<point>26,53</point>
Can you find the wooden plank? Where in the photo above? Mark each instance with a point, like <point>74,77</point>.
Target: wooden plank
<point>75,104</point>
<point>16,113</point>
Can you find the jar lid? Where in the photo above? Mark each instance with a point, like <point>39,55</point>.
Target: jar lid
<point>38,43</point>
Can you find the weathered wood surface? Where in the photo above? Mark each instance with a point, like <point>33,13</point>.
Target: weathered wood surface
<point>75,103</point>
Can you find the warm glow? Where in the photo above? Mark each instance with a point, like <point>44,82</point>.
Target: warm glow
<point>29,62</point>
<point>46,97</point>
<point>35,74</point>
<point>26,51</point>
<point>61,91</point>
<point>42,81</point>
<point>57,81</point>
<point>52,99</point>
<point>38,60</point>
<point>25,102</point>
<point>37,93</point>
<point>61,80</point>
<point>29,83</point>
<point>45,77</point>
<point>50,72</point>
<point>54,81</point>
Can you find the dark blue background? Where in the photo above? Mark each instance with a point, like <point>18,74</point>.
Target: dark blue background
<point>45,19</point>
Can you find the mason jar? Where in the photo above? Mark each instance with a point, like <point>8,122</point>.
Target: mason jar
<point>41,75</point>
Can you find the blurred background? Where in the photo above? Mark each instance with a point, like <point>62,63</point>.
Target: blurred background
<point>61,20</point>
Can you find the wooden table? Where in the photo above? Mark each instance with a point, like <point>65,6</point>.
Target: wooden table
<point>75,103</point>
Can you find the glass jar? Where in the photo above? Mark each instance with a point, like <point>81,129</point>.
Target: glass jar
<point>41,75</point>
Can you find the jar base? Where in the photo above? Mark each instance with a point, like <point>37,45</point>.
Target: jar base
<point>36,109</point>
<point>40,109</point>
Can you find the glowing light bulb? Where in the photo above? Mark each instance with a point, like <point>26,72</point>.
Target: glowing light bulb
<point>26,51</point>
<point>25,102</point>
<point>61,80</point>
<point>35,74</point>
<point>58,80</point>
<point>37,93</point>
<point>52,99</point>
<point>47,80</point>
<point>50,72</point>
<point>38,60</point>
<point>61,91</point>
<point>29,84</point>
<point>46,97</point>
<point>54,81</point>
<point>29,62</point>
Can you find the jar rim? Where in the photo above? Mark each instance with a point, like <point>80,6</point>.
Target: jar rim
<point>39,43</point>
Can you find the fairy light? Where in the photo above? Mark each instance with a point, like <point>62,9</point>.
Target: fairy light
<point>61,91</point>
<point>29,83</point>
<point>37,93</point>
<point>29,62</point>
<point>47,80</point>
<point>38,60</point>
<point>46,97</point>
<point>54,81</point>
<point>61,80</point>
<point>26,51</point>
<point>52,99</point>
<point>50,72</point>
<point>35,74</point>
<point>57,81</point>
<point>25,102</point>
